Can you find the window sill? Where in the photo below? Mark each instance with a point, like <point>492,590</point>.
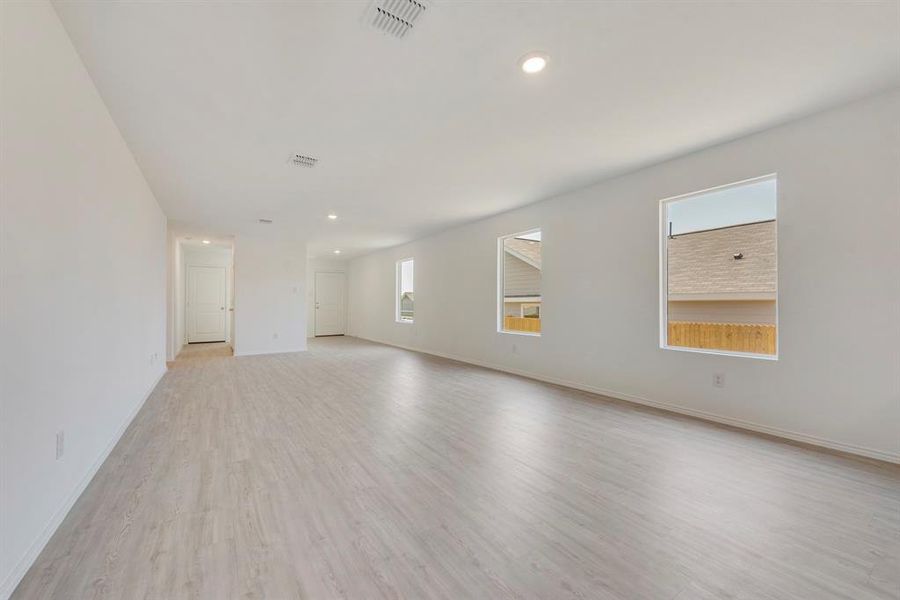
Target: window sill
<point>769,357</point>
<point>525,333</point>
<point>404,321</point>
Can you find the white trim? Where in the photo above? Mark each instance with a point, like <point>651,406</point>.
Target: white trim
<point>724,186</point>
<point>37,546</point>
<point>267,352</point>
<point>773,357</point>
<point>511,332</point>
<point>725,296</point>
<point>786,434</point>
<point>501,293</point>
<point>664,269</point>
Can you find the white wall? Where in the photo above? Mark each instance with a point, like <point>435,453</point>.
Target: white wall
<point>82,281</point>
<point>314,265</point>
<point>269,296</point>
<point>837,381</point>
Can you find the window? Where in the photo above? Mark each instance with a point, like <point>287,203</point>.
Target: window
<point>405,291</point>
<point>719,276</point>
<point>531,311</point>
<point>520,283</point>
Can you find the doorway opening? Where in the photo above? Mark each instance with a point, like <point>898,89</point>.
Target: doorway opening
<point>205,296</point>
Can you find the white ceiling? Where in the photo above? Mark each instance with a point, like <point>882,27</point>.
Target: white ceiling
<point>196,243</point>
<point>441,128</point>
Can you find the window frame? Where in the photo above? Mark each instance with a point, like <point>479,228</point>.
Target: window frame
<point>664,271</point>
<point>398,281</point>
<point>525,305</point>
<point>501,276</point>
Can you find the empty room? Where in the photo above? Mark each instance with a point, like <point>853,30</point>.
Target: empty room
<point>414,299</point>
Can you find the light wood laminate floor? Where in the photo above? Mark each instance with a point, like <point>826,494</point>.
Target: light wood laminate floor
<point>358,470</point>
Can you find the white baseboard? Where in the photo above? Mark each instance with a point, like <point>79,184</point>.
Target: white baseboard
<point>15,576</point>
<point>699,414</point>
<point>267,352</point>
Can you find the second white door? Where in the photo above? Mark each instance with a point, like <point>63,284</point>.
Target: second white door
<point>206,302</point>
<point>329,304</point>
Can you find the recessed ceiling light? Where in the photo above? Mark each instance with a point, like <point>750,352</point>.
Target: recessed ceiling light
<point>332,216</point>
<point>207,242</point>
<point>337,251</point>
<point>533,63</point>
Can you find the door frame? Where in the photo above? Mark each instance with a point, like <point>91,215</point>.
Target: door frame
<point>343,275</point>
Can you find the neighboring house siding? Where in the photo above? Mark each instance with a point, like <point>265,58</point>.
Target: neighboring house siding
<point>703,263</point>
<point>514,309</point>
<point>757,312</point>
<point>406,304</point>
<point>520,278</point>
<point>528,250</point>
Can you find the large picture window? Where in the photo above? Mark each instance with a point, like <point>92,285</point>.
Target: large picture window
<point>719,273</point>
<point>405,298</point>
<point>520,283</point>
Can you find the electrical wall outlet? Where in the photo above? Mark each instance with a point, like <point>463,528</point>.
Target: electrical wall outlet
<point>719,380</point>
<point>60,444</point>
<point>515,349</point>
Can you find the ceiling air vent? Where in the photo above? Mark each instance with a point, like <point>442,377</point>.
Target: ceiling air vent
<point>299,160</point>
<point>265,221</point>
<point>395,17</point>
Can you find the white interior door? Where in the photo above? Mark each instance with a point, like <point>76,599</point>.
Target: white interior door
<point>330,303</point>
<point>205,304</point>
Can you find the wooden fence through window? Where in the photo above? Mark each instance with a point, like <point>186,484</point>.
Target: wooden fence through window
<point>735,337</point>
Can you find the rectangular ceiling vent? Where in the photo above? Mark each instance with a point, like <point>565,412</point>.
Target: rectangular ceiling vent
<point>299,160</point>
<point>395,17</point>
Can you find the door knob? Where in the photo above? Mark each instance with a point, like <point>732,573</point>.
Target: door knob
<point>221,308</point>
